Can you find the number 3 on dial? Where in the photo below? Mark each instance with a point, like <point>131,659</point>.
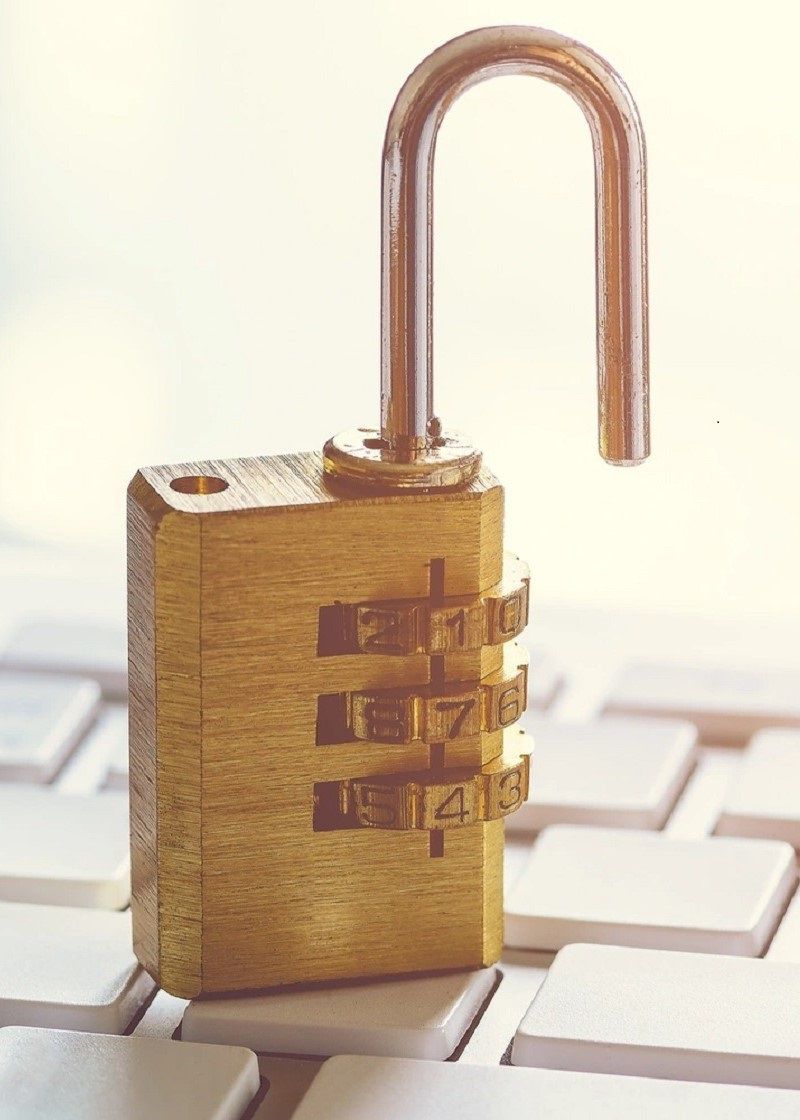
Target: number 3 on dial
<point>507,790</point>
<point>510,790</point>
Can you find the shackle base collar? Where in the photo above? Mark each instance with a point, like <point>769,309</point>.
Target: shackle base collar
<point>359,457</point>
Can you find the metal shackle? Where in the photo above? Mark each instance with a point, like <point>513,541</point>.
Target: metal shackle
<point>411,450</point>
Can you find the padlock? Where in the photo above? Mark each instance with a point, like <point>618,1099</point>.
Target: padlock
<point>324,673</point>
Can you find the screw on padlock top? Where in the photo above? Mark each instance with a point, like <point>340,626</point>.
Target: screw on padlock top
<point>411,450</point>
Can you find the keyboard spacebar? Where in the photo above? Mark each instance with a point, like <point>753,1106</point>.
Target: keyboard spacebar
<point>350,1088</point>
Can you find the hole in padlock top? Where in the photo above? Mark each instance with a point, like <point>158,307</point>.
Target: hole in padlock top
<point>199,484</point>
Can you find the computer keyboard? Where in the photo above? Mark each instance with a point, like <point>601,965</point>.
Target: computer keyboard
<point>652,921</point>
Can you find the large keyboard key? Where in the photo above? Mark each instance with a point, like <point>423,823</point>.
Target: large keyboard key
<point>422,1017</point>
<point>624,773</point>
<point>41,720</point>
<point>392,1089</point>
<point>66,1075</point>
<point>728,705</point>
<point>764,797</point>
<point>714,895</point>
<point>82,649</point>
<point>683,1016</point>
<point>63,850</point>
<point>68,968</point>
<point>785,945</point>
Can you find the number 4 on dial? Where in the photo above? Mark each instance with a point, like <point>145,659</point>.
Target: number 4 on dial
<point>449,806</point>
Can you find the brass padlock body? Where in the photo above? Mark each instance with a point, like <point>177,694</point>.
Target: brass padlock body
<point>233,887</point>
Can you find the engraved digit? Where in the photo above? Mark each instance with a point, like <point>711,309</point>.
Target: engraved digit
<point>508,705</point>
<point>459,814</point>
<point>464,707</point>
<point>386,639</point>
<point>515,790</point>
<point>509,614</point>
<point>457,622</point>
<point>386,720</point>
<point>376,812</point>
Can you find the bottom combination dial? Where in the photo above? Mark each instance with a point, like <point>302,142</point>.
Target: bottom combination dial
<point>430,799</point>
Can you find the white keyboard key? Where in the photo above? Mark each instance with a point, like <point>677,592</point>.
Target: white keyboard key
<point>683,1016</point>
<point>162,1017</point>
<point>68,968</point>
<point>516,853</point>
<point>785,944</point>
<point>715,895</point>
<point>41,721</point>
<point>117,776</point>
<point>66,1075</point>
<point>519,983</point>
<point>763,798</point>
<point>623,773</point>
<point>393,1089</point>
<point>423,1017</point>
<point>544,680</point>
<point>698,807</point>
<point>82,649</point>
<point>728,705</point>
<point>289,1080</point>
<point>63,850</point>
<point>87,769</point>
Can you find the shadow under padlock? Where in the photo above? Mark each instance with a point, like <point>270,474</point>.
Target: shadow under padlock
<point>323,673</point>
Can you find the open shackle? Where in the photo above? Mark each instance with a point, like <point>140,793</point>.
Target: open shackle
<point>411,450</point>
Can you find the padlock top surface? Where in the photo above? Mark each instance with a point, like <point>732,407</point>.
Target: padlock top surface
<point>268,482</point>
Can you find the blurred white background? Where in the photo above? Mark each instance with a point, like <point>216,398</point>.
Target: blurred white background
<point>189,215</point>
